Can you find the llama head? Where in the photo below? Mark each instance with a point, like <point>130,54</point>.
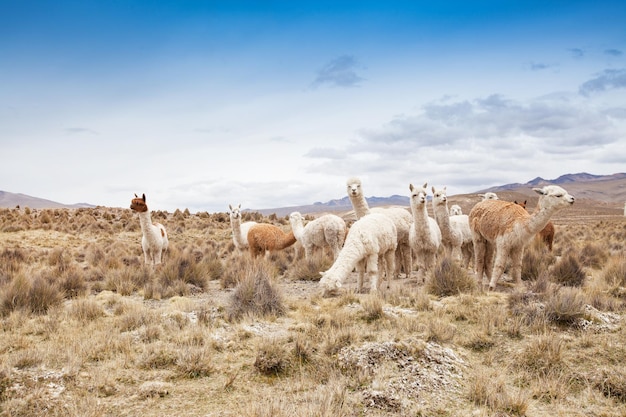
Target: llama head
<point>328,283</point>
<point>354,187</point>
<point>439,196</point>
<point>553,197</point>
<point>488,196</point>
<point>455,210</point>
<point>138,204</point>
<point>523,204</point>
<point>295,217</point>
<point>418,195</point>
<point>234,211</point>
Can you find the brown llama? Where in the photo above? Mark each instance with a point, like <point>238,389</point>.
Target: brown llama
<point>546,234</point>
<point>264,238</point>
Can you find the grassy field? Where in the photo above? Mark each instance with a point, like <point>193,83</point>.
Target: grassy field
<point>87,330</point>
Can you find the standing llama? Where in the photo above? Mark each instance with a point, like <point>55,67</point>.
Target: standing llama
<point>546,235</point>
<point>240,230</point>
<point>502,229</point>
<point>456,235</point>
<point>154,241</point>
<point>327,230</point>
<point>400,217</point>
<point>264,238</point>
<point>371,239</point>
<point>424,235</point>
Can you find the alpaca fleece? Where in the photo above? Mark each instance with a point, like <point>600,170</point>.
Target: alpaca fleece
<point>370,239</point>
<point>456,235</point>
<point>425,235</point>
<point>501,230</point>
<point>265,237</point>
<point>327,230</point>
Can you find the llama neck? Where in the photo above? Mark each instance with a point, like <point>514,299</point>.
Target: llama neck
<point>286,240</point>
<point>345,262</point>
<point>298,229</point>
<point>420,216</point>
<point>442,215</point>
<point>359,203</point>
<point>236,225</point>
<point>146,222</point>
<point>537,220</point>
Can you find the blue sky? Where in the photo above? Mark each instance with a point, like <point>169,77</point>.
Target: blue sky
<point>202,104</point>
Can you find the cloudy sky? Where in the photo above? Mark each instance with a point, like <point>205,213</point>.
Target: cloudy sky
<point>202,104</point>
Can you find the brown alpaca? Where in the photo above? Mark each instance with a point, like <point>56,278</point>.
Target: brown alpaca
<point>264,238</point>
<point>501,230</point>
<point>546,234</point>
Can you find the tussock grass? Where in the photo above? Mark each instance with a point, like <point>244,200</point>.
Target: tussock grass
<point>449,278</point>
<point>256,294</point>
<point>568,271</point>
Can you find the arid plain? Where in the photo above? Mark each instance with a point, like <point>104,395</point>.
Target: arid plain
<point>88,330</point>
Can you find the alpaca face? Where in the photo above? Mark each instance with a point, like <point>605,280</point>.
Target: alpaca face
<point>489,196</point>
<point>554,197</point>
<point>354,187</point>
<point>139,204</point>
<point>418,195</point>
<point>439,196</point>
<point>234,212</point>
<point>295,217</point>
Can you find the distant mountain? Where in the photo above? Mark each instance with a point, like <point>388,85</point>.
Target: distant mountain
<point>608,189</point>
<point>12,200</point>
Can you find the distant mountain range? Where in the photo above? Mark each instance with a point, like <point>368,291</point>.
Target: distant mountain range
<point>12,200</point>
<point>609,189</point>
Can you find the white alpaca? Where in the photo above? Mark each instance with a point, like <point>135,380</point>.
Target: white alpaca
<point>502,229</point>
<point>488,196</point>
<point>370,238</point>
<point>456,235</point>
<point>401,218</point>
<point>327,230</point>
<point>240,230</point>
<point>154,241</point>
<point>425,236</point>
<point>455,210</point>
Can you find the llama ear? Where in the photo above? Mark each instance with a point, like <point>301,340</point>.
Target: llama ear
<point>143,197</point>
<point>525,202</point>
<point>433,188</point>
<point>425,185</point>
<point>539,191</point>
<point>411,187</point>
<point>230,207</point>
<point>136,196</point>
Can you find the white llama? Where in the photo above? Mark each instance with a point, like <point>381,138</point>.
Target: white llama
<point>240,230</point>
<point>456,235</point>
<point>425,236</point>
<point>371,238</point>
<point>455,210</point>
<point>400,217</point>
<point>502,229</point>
<point>327,230</point>
<point>154,241</point>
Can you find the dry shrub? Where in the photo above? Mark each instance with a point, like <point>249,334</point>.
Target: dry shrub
<point>614,275</point>
<point>372,308</point>
<point>536,260</point>
<point>440,330</point>
<point>72,282</point>
<point>568,271</point>
<point>449,278</point>
<point>542,356</point>
<point>185,269</point>
<point>272,358</point>
<point>308,269</point>
<point>84,309</point>
<point>565,305</point>
<point>610,383</point>
<point>593,255</point>
<point>157,355</point>
<point>36,295</point>
<point>489,389</point>
<point>256,294</point>
<point>11,262</point>
<point>195,362</point>
<point>59,259</point>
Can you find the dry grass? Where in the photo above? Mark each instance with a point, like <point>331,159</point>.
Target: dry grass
<point>89,331</point>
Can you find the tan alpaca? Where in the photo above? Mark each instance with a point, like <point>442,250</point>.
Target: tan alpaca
<point>501,229</point>
<point>401,218</point>
<point>546,234</point>
<point>264,238</point>
<point>154,241</point>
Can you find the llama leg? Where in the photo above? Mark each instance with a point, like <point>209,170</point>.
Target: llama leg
<point>498,267</point>
<point>372,272</point>
<point>407,261</point>
<point>360,268</point>
<point>480,249</point>
<point>516,264</point>
<point>390,255</point>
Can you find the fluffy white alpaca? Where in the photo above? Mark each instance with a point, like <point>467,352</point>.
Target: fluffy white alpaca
<point>370,238</point>
<point>327,230</point>
<point>154,241</point>
<point>456,235</point>
<point>401,218</point>
<point>455,210</point>
<point>502,229</point>
<point>488,196</point>
<point>240,230</point>
<point>425,236</point>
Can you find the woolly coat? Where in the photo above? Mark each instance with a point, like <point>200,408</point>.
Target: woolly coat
<point>327,230</point>
<point>370,238</point>
<point>265,237</point>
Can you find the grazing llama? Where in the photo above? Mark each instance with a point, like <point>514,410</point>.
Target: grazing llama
<point>456,235</point>
<point>327,230</point>
<point>502,229</point>
<point>400,217</point>
<point>240,230</point>
<point>154,241</point>
<point>425,235</point>
<point>371,239</point>
<point>546,234</point>
<point>264,238</point>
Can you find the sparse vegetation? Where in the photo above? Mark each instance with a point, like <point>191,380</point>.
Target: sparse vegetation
<point>88,330</point>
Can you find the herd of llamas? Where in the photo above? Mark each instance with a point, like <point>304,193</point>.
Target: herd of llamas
<point>385,242</point>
